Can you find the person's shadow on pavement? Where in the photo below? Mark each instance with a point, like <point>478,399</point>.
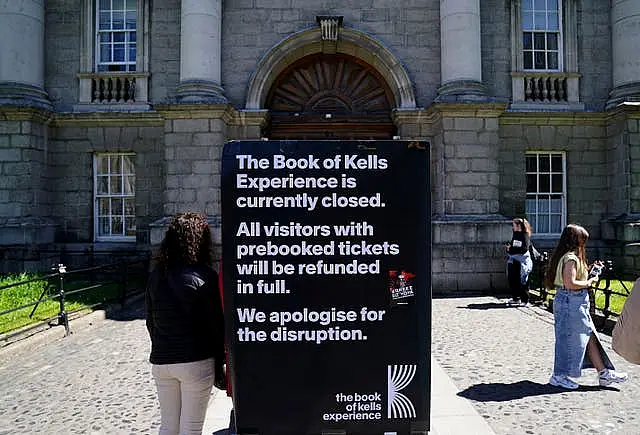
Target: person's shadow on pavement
<point>498,392</point>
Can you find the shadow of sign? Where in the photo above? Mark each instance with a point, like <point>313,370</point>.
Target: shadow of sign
<point>487,306</point>
<point>499,392</point>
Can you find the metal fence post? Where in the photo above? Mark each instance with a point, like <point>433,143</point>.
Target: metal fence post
<point>63,318</point>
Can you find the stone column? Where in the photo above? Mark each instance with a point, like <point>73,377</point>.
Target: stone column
<point>625,40</point>
<point>461,62</point>
<point>22,53</point>
<point>200,50</point>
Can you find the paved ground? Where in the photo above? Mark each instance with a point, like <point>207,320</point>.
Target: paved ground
<point>98,380</point>
<point>501,359</point>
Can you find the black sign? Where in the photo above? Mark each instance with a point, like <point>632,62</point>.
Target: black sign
<point>327,288</point>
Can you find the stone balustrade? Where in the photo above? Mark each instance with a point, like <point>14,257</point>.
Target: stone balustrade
<point>546,90</point>
<point>114,89</point>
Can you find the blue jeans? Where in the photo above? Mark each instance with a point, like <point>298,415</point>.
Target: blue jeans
<point>573,328</point>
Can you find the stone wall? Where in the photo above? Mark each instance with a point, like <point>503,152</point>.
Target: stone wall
<point>73,144</point>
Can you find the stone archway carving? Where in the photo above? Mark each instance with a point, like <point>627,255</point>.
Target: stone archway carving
<point>350,42</point>
<point>329,97</point>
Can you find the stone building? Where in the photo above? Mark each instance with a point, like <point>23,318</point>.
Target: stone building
<point>113,113</point>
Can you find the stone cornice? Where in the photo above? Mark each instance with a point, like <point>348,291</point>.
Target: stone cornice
<point>196,111</point>
<point>17,113</point>
<point>108,119</point>
<point>553,118</point>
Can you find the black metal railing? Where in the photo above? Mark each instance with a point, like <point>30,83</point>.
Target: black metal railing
<point>128,277</point>
<point>604,286</point>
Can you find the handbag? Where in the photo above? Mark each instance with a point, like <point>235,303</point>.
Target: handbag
<point>625,337</point>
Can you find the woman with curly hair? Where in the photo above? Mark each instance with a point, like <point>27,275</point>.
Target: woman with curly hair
<point>185,323</point>
<point>577,345</point>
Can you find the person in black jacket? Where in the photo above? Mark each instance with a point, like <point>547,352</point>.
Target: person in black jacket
<point>519,263</point>
<point>185,323</point>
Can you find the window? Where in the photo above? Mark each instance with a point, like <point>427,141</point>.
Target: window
<point>116,35</point>
<point>545,205</point>
<point>541,35</point>
<point>114,193</point>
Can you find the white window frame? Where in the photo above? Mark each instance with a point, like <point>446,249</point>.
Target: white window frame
<point>122,237</point>
<point>533,215</point>
<point>89,60</point>
<point>560,35</point>
<point>130,66</point>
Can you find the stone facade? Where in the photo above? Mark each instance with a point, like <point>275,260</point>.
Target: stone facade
<point>203,72</point>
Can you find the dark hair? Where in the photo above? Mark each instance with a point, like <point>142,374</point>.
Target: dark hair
<point>523,224</point>
<point>187,241</point>
<point>573,238</point>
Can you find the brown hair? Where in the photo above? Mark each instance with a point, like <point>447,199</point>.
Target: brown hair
<point>523,224</point>
<point>573,238</point>
<point>187,241</point>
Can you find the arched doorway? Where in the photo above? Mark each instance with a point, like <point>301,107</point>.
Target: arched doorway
<point>334,96</point>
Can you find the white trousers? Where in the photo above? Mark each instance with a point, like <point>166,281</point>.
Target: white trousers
<point>183,392</point>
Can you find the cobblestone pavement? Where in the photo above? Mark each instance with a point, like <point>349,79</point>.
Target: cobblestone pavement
<point>501,359</point>
<point>96,381</point>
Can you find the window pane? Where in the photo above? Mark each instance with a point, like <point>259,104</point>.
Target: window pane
<point>539,60</point>
<point>118,36</point>
<point>545,183</point>
<point>552,5</point>
<point>131,20</point>
<point>532,185</point>
<point>533,221</point>
<point>105,37</point>
<point>528,60</point>
<point>544,163</point>
<point>132,55</point>
<point>556,224</point>
<point>527,21</point>
<point>127,165</point>
<point>103,185</point>
<point>105,52</point>
<point>530,206</point>
<point>131,5</point>
<point>556,163</point>
<point>117,206</point>
<point>538,41</point>
<point>532,163</point>
<point>540,5</point>
<point>556,183</point>
<point>118,4</point>
<point>543,205</point>
<point>129,184</point>
<point>102,165</point>
<point>552,41</point>
<point>116,226</point>
<point>543,224</point>
<point>104,22</point>
<point>552,60</point>
<point>527,5</point>
<point>103,226</point>
<point>103,207</point>
<point>556,204</point>
<point>527,40</point>
<point>129,206</point>
<point>539,21</point>
<point>118,52</point>
<point>116,185</point>
<point>553,23</point>
<point>115,164</point>
<point>132,36</point>
<point>118,20</point>
<point>105,4</point>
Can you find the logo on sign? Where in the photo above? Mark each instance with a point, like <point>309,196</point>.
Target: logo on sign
<point>398,377</point>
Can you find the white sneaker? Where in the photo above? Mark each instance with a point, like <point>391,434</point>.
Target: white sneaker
<point>513,302</point>
<point>608,377</point>
<point>564,382</point>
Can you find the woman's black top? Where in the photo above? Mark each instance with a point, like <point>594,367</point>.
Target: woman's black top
<point>184,315</point>
<point>520,243</point>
